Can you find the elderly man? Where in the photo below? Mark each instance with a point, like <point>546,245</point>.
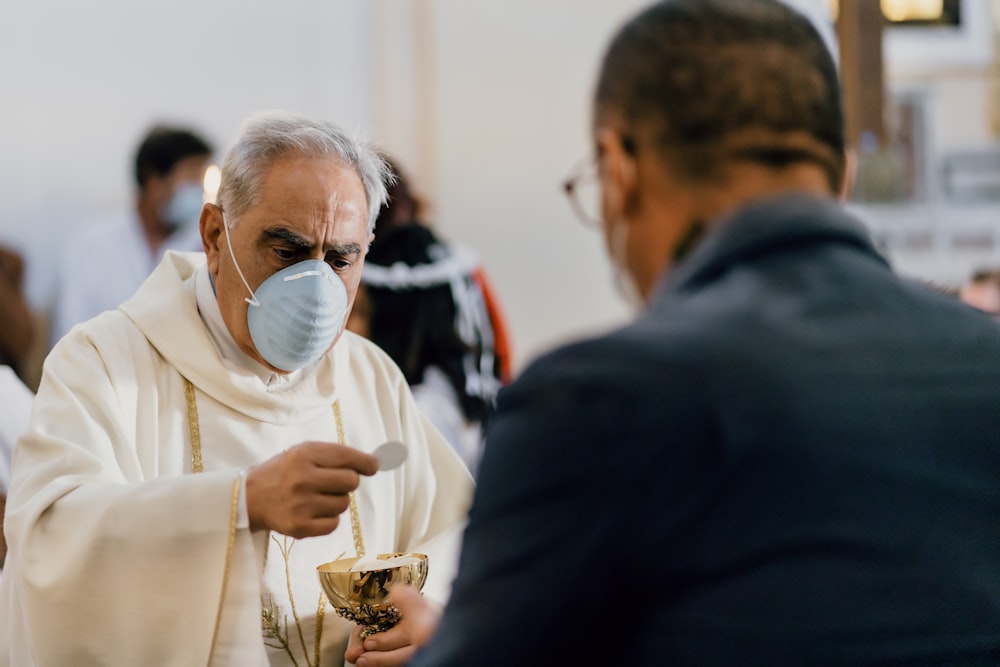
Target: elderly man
<point>791,456</point>
<point>191,453</point>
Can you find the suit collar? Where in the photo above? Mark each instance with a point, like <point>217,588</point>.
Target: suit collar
<point>767,226</point>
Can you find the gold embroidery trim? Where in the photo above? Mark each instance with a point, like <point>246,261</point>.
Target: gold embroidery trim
<point>359,540</point>
<point>320,615</point>
<point>197,467</point>
<point>193,430</point>
<point>230,544</point>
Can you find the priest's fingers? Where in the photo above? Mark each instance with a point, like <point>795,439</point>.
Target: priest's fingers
<point>331,481</point>
<point>288,492</point>
<point>301,527</point>
<point>307,514</point>
<point>333,455</point>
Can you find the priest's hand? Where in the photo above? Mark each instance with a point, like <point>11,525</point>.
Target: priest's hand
<point>303,491</point>
<point>394,647</point>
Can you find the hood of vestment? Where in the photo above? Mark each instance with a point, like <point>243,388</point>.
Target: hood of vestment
<point>165,309</point>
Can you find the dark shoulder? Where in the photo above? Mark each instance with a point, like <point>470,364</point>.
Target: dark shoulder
<point>642,356</point>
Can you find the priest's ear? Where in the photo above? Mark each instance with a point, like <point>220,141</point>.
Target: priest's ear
<point>210,224</point>
<point>850,175</point>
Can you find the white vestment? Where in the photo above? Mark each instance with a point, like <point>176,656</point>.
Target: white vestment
<point>118,553</point>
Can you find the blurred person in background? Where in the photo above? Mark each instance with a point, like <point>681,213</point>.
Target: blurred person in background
<point>105,260</point>
<point>16,340</point>
<point>403,208</point>
<point>791,456</point>
<point>17,327</point>
<point>15,409</point>
<point>420,302</point>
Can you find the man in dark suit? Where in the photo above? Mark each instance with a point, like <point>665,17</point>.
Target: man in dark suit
<point>792,456</point>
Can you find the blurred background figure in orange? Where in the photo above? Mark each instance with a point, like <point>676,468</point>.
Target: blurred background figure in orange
<point>427,304</point>
<point>404,208</point>
<point>423,307</point>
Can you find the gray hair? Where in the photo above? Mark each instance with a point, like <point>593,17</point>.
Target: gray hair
<point>268,136</point>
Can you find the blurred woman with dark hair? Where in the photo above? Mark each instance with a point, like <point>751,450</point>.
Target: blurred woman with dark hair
<point>422,305</point>
<point>403,208</point>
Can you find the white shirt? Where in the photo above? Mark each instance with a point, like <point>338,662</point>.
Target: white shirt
<point>437,399</point>
<point>15,408</point>
<point>103,263</point>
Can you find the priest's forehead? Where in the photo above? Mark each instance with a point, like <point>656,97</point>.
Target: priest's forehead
<point>270,136</point>
<point>306,208</point>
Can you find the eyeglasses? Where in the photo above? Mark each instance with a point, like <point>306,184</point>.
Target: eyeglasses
<point>582,187</point>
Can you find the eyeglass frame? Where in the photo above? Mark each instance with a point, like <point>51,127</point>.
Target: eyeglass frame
<point>589,168</point>
<point>585,171</point>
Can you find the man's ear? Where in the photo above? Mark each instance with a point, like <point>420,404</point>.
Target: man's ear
<point>850,174</point>
<point>619,174</point>
<point>210,224</point>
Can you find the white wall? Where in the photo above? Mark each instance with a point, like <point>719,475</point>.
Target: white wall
<point>82,81</point>
<point>509,89</point>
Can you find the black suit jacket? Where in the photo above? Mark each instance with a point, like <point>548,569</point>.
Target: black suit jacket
<point>792,457</point>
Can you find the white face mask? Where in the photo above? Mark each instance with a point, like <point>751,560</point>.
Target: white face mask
<point>296,314</point>
<point>624,281</point>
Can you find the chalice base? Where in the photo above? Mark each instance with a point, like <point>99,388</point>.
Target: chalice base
<point>371,618</point>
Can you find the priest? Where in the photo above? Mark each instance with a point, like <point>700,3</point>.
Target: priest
<point>196,453</point>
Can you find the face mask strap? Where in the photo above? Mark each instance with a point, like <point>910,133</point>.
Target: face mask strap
<point>229,242</point>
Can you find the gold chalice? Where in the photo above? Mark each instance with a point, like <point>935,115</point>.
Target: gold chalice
<point>359,596</point>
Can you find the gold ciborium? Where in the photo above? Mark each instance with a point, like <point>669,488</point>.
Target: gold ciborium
<point>359,596</point>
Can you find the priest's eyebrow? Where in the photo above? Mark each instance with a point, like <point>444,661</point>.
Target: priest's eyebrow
<point>286,235</point>
<point>293,239</point>
<point>346,249</point>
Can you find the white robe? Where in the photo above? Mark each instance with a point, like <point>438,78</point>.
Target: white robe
<point>118,552</point>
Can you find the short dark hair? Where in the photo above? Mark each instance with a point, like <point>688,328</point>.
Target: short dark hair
<point>401,206</point>
<point>710,81</point>
<point>163,147</point>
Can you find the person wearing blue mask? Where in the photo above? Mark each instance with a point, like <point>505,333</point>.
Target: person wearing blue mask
<point>191,452</point>
<point>106,258</point>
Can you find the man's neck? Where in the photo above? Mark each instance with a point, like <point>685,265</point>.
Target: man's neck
<point>695,209</point>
